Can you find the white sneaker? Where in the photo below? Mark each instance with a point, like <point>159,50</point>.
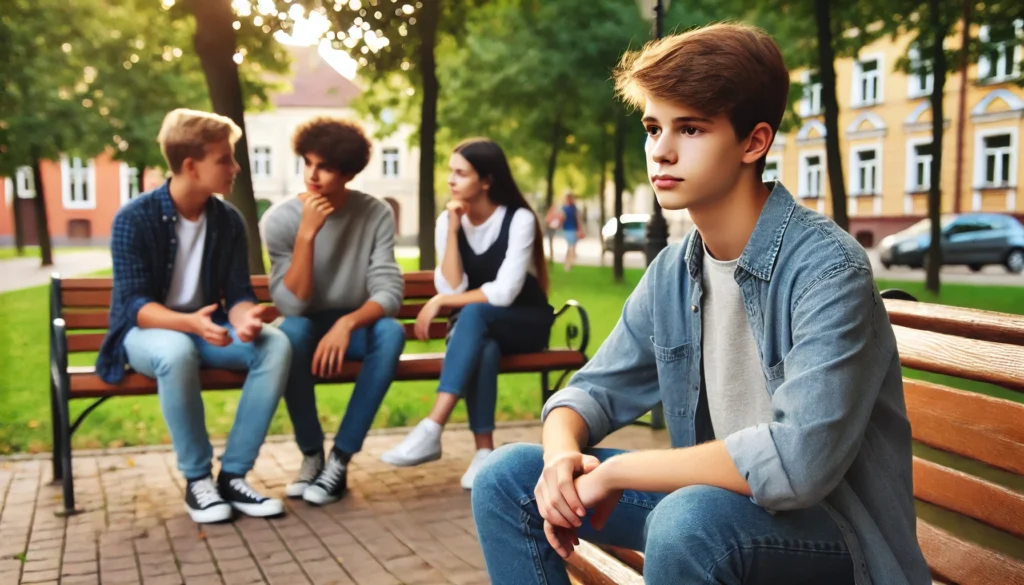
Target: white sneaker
<point>311,467</point>
<point>421,445</point>
<point>204,502</point>
<point>474,467</point>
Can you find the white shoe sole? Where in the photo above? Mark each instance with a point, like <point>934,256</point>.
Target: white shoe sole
<point>218,513</point>
<point>264,510</point>
<point>399,462</point>
<point>318,497</point>
<point>295,490</point>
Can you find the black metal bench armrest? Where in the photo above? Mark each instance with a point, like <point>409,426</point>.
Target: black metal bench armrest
<point>577,335</point>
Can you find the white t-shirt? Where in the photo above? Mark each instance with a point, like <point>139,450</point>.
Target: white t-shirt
<point>504,289</point>
<point>185,292</point>
<point>737,391</point>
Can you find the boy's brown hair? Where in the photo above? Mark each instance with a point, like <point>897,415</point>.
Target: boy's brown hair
<point>185,134</point>
<point>728,68</point>
<point>341,143</point>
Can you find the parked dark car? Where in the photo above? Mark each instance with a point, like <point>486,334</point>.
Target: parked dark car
<point>634,233</point>
<point>974,240</point>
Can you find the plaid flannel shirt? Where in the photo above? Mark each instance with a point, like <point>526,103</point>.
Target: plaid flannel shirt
<point>143,244</point>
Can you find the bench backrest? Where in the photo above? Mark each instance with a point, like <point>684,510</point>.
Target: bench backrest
<point>979,346</point>
<point>84,304</point>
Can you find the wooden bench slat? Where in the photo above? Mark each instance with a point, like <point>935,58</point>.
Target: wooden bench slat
<point>956,561</point>
<point>92,341</point>
<point>425,366</point>
<point>419,290</point>
<point>967,423</point>
<point>984,361</point>
<point>593,566</point>
<point>84,298</point>
<point>957,491</point>
<point>632,558</point>
<point>972,323</point>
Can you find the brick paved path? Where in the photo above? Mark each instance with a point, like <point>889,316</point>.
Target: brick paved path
<point>411,525</point>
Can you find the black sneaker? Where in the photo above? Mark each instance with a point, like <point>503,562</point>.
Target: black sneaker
<point>204,502</point>
<point>312,465</point>
<point>246,500</point>
<point>331,484</point>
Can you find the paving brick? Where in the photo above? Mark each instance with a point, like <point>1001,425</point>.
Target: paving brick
<point>40,576</point>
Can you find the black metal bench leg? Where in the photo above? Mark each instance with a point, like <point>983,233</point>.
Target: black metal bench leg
<point>658,417</point>
<point>545,388</point>
<point>58,429</point>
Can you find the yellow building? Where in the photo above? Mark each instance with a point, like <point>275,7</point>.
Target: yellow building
<point>885,121</point>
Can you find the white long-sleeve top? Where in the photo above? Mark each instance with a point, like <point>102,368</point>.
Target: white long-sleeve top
<point>518,262</point>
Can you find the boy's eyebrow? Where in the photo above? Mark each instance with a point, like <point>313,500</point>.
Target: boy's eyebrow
<point>681,120</point>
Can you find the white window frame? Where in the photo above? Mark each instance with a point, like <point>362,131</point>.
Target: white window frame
<point>985,65</point>
<point>911,185</point>
<point>980,156</point>
<point>857,100</point>
<point>391,155</point>
<point>265,154</point>
<point>803,187</point>
<point>855,187</point>
<point>777,160</point>
<point>88,189</point>
<point>810,102</point>
<point>914,89</point>
<point>129,191</point>
<point>300,168</point>
<point>23,184</point>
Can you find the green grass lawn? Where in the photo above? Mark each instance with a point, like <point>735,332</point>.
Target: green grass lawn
<point>24,387</point>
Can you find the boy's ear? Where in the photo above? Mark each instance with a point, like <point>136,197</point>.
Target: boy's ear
<point>758,143</point>
<point>188,166</point>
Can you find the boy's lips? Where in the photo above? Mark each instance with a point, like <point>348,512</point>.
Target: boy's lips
<point>665,181</point>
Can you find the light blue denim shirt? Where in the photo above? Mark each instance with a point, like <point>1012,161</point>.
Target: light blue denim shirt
<point>839,435</point>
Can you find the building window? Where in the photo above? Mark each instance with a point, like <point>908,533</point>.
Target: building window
<point>810,105</point>
<point>79,182</point>
<point>300,167</point>
<point>919,79</point>
<point>24,183</point>
<point>867,81</point>
<point>919,167</point>
<point>130,183</point>
<point>390,162</point>
<point>1001,57</point>
<point>997,154</point>
<point>865,164</point>
<point>260,162</point>
<point>771,170</point>
<point>811,172</point>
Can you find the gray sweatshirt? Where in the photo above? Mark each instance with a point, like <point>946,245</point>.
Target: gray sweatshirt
<point>353,257</point>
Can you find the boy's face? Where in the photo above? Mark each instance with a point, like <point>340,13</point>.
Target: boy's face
<point>321,178</point>
<point>215,172</point>
<point>692,158</point>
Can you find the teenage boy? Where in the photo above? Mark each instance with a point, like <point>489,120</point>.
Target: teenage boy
<point>764,337</point>
<point>182,300</point>
<point>334,275</point>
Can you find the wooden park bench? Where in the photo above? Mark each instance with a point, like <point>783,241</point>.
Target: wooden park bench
<point>970,447</point>
<point>78,315</point>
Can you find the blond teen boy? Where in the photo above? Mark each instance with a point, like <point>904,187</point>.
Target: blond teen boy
<point>182,300</point>
<point>764,337</point>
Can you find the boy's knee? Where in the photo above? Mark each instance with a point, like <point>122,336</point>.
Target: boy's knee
<point>689,523</point>
<point>513,467</point>
<point>177,353</point>
<point>389,335</point>
<point>274,348</point>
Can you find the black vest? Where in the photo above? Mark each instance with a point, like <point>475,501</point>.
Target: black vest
<point>483,268</point>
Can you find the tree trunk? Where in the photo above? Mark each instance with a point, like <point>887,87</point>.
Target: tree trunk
<point>429,17</point>
<point>965,39</point>
<point>600,196</point>
<point>620,186</point>
<point>19,229</point>
<point>934,262</point>
<point>549,197</point>
<point>827,69</point>
<point>215,45</point>
<point>42,223</point>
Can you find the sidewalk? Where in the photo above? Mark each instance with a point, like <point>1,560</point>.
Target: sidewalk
<point>19,273</point>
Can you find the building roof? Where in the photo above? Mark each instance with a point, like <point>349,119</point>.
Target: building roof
<point>314,83</point>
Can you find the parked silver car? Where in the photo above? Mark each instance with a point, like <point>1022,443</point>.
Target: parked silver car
<point>974,240</point>
<point>634,233</point>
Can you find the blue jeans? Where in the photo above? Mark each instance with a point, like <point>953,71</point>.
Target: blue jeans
<point>378,347</point>
<point>698,534</point>
<point>482,333</point>
<point>174,359</point>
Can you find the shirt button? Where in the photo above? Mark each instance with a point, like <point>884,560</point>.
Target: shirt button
<point>693,308</point>
<point>173,241</point>
<point>170,265</point>
<point>163,218</point>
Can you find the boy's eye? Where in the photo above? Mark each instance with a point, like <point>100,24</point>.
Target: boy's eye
<point>653,130</point>
<point>691,130</point>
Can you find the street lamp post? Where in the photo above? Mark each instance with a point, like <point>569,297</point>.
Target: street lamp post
<point>657,227</point>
